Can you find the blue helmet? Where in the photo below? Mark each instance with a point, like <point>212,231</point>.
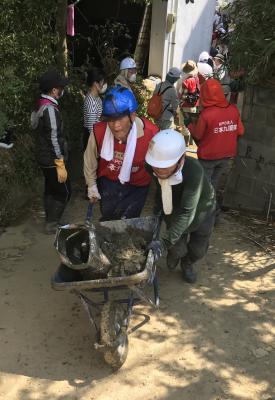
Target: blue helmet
<point>118,102</point>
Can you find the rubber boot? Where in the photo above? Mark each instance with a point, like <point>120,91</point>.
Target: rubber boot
<point>50,222</point>
<point>59,210</point>
<point>172,261</point>
<point>53,210</point>
<point>188,274</point>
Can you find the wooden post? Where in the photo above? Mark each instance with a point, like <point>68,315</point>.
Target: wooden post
<point>61,50</point>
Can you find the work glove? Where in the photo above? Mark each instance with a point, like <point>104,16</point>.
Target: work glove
<point>93,193</point>
<point>61,170</point>
<point>157,247</point>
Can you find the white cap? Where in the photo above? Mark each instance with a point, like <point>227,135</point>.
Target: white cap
<point>204,56</point>
<point>165,149</point>
<point>205,69</point>
<point>127,62</point>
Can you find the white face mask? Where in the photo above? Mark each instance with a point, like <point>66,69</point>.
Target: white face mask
<point>103,89</point>
<point>132,78</point>
<point>61,94</point>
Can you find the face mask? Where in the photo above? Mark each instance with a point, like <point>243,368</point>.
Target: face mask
<point>61,93</point>
<point>132,78</point>
<point>103,89</point>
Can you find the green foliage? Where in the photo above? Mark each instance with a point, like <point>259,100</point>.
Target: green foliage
<point>253,39</point>
<point>102,39</point>
<point>143,96</point>
<point>26,40</point>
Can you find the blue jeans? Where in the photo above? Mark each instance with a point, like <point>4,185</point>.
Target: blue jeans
<point>120,201</point>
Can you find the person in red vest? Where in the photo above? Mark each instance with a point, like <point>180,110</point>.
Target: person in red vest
<point>114,158</point>
<point>217,130</point>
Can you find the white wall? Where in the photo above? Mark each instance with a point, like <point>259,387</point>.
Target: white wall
<point>158,40</point>
<point>192,34</point>
<point>194,29</point>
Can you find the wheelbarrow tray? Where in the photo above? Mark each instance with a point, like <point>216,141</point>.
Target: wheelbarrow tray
<point>145,224</point>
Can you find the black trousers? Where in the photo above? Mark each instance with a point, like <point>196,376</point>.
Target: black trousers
<point>58,191</point>
<point>194,245</point>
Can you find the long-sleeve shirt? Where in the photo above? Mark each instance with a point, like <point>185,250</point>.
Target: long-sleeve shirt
<point>217,131</point>
<point>92,109</point>
<point>50,139</point>
<point>193,200</point>
<point>170,100</point>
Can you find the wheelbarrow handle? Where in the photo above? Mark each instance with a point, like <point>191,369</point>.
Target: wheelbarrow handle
<point>89,213</point>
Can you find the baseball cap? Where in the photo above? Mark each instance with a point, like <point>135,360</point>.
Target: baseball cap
<point>52,79</point>
<point>174,72</point>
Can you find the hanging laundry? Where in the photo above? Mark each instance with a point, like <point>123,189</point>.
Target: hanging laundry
<point>70,20</point>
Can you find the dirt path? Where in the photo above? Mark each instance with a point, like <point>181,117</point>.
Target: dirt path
<point>214,340</point>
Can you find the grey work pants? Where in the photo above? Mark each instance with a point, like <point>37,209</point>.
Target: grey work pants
<point>194,245</point>
<point>214,169</point>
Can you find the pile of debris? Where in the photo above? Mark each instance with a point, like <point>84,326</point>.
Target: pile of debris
<point>126,251</point>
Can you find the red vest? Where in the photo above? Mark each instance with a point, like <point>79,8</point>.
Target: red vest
<point>111,169</point>
<point>223,126</point>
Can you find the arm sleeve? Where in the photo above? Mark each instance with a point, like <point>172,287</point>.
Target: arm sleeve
<point>182,219</point>
<point>90,113</point>
<point>157,201</point>
<point>91,161</point>
<point>51,123</point>
<point>198,129</point>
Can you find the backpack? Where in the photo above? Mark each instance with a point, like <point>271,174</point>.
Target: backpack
<point>191,98</point>
<point>154,107</point>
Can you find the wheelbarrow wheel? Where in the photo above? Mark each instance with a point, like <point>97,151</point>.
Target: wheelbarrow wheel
<point>113,332</point>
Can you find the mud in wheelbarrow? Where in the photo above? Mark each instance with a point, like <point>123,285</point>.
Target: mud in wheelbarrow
<point>111,315</point>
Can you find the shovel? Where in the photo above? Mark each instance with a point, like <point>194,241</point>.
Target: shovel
<point>97,258</point>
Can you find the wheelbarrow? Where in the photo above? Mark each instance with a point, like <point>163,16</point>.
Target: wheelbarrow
<point>110,316</point>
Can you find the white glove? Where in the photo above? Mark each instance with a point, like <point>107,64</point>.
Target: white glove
<point>93,192</point>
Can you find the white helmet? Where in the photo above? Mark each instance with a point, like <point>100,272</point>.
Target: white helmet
<point>165,149</point>
<point>205,69</point>
<point>127,62</point>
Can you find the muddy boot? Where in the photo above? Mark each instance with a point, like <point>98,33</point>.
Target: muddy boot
<point>53,211</point>
<point>59,210</point>
<point>172,261</point>
<point>50,228</point>
<point>188,274</point>
<point>50,223</point>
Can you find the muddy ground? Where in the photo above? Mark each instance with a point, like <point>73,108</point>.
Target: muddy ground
<point>214,340</point>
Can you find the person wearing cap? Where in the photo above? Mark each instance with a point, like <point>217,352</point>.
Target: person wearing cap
<point>187,200</point>
<point>221,73</point>
<point>51,147</point>
<point>127,73</point>
<point>188,93</point>
<point>169,99</point>
<point>114,158</point>
<point>217,131</point>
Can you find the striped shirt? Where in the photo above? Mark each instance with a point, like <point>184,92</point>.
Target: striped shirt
<point>92,111</point>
